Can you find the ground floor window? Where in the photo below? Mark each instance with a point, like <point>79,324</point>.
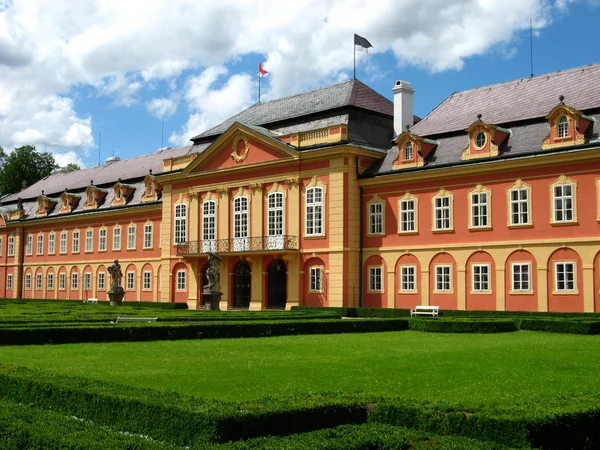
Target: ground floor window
<point>521,277</point>
<point>375,279</point>
<point>87,281</point>
<point>443,278</point>
<point>564,276</point>
<point>74,281</point>
<point>38,281</point>
<point>9,281</point>
<point>101,281</point>
<point>147,281</point>
<point>50,281</point>
<point>408,275</point>
<point>481,277</point>
<point>28,281</point>
<point>62,281</point>
<point>316,279</point>
<point>181,280</point>
<point>130,281</point>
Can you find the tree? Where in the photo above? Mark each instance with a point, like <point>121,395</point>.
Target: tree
<point>72,167</point>
<point>24,163</point>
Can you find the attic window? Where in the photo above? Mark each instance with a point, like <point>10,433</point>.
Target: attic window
<point>562,128</point>
<point>149,189</point>
<point>408,151</point>
<point>118,194</point>
<point>480,140</point>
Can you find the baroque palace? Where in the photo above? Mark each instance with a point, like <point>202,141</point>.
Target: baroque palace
<point>338,197</point>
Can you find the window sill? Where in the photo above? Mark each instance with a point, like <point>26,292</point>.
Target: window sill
<point>116,249</point>
<point>487,228</point>
<point>575,292</point>
<point>316,292</point>
<point>102,251</point>
<point>443,292</point>
<point>449,230</point>
<point>520,225</point>
<point>521,293</point>
<point>375,234</point>
<point>481,292</point>
<point>564,224</point>
<point>314,236</point>
<point>408,292</point>
<point>148,248</point>
<point>404,233</point>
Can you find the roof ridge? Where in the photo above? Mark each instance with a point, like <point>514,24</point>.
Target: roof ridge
<point>302,93</point>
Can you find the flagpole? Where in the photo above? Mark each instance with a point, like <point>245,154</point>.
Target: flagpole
<point>259,77</point>
<point>354,60</point>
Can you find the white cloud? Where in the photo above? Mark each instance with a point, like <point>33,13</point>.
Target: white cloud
<point>161,107</point>
<point>121,48</point>
<point>62,159</point>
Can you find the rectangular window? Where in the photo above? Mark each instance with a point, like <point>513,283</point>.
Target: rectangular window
<point>28,281</point>
<point>479,210</point>
<point>407,216</point>
<point>375,218</point>
<point>316,279</point>
<point>102,240</point>
<point>481,277</point>
<point>147,281</point>
<point>101,281</point>
<point>563,203</point>
<point>180,223</point>
<point>89,240</point>
<point>148,235</point>
<point>50,281</point>
<point>314,211</point>
<point>519,206</point>
<point>240,224</point>
<point>209,226</point>
<point>75,246</point>
<point>74,281</point>
<point>38,281</point>
<point>408,278</point>
<point>376,279</point>
<point>29,247</point>
<point>87,281</point>
<point>130,281</point>
<point>181,280</point>
<point>62,281</point>
<point>9,281</point>
<point>443,278</point>
<point>51,244</point>
<point>11,246</point>
<point>131,237</point>
<point>442,213</point>
<point>40,244</point>
<point>63,242</point>
<point>521,280</point>
<point>116,238</point>
<point>564,276</point>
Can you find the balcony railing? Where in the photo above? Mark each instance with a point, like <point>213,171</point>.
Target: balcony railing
<point>234,245</point>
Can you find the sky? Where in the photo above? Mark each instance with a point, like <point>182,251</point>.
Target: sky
<point>90,79</point>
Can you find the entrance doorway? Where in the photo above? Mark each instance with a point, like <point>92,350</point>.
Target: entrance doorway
<point>241,285</point>
<point>277,296</point>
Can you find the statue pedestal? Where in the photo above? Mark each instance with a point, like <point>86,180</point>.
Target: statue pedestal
<point>116,296</point>
<point>211,300</point>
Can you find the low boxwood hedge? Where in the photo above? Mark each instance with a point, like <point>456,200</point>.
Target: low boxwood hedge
<point>560,326</point>
<point>463,325</point>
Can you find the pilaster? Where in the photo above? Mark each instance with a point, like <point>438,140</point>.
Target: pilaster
<point>256,288</point>
<point>257,207</point>
<point>500,284</point>
<point>542,286</point>
<point>588,288</point>
<point>223,219</point>
<point>461,288</point>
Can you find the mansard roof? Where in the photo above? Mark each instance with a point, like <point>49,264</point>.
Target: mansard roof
<point>514,101</point>
<point>348,93</point>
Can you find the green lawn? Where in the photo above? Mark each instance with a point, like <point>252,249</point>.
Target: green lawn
<point>503,368</point>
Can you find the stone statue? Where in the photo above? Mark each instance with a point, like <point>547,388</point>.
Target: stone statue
<point>116,291</point>
<point>213,273</point>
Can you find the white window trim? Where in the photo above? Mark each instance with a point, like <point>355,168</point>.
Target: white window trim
<point>39,245</point>
<point>320,271</point>
<point>450,278</point>
<point>11,246</point>
<point>529,222</point>
<point>573,291</point>
<point>27,281</point>
<point>9,281</point>
<point>512,278</point>
<point>149,232</point>
<point>441,194</point>
<point>63,243</point>
<point>130,275</point>
<point>74,281</point>
<point>372,217</point>
<point>102,248</point>
<point>76,238</point>
<point>401,274</point>
<point>50,281</point>
<point>115,247</point>
<point>29,245</point>
<point>147,275</point>
<point>101,277</point>
<point>408,198</point>
<point>51,243</point>
<point>313,205</point>
<point>489,278</point>
<point>89,233</point>
<point>177,286</point>
<point>131,245</point>
<point>39,277</point>
<point>62,281</point>
<point>369,274</point>
<point>183,233</point>
<point>87,286</point>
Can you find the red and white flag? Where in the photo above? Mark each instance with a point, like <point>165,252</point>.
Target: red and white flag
<point>261,71</point>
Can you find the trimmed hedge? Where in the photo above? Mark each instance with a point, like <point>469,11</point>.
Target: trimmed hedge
<point>159,305</point>
<point>560,326</point>
<point>463,325</point>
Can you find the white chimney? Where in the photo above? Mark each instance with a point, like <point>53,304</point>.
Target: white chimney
<point>403,105</point>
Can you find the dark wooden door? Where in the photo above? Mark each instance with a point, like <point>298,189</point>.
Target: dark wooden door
<point>241,285</point>
<point>277,296</point>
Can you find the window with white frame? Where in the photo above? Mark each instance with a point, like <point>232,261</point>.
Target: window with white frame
<point>101,281</point>
<point>131,237</point>
<point>51,244</point>
<point>28,281</point>
<point>148,235</point>
<point>87,281</point>
<point>117,238</point>
<point>240,223</point>
<point>564,276</point>
<point>74,281</point>
<point>316,279</point>
<point>40,244</point>
<point>29,245</point>
<point>130,281</point>
<point>11,246</point>
<point>180,223</point>
<point>376,218</point>
<point>275,214</point>
<point>376,279</point>
<point>147,281</point>
<point>209,226</point>
<point>408,210</point>
<point>1,246</point>
<point>314,211</point>
<point>181,275</point>
<point>408,151</point>
<point>443,278</point>
<point>9,280</point>
<point>519,206</point>
<point>75,246</point>
<point>479,209</point>
<point>521,277</point>
<point>408,278</point>
<point>38,281</point>
<point>62,281</point>
<point>481,277</point>
<point>442,212</point>
<point>563,202</point>
<point>89,240</point>
<point>102,240</point>
<point>562,127</point>
<point>63,242</point>
<point>50,281</point>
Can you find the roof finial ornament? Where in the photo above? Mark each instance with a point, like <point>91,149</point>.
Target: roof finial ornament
<point>479,116</point>
<point>407,127</point>
<point>150,171</point>
<point>42,192</point>
<point>119,180</point>
<point>19,203</point>
<point>561,98</point>
<point>91,182</point>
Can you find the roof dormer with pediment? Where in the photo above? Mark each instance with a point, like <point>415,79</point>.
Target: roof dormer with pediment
<point>484,140</point>
<point>94,196</point>
<point>46,205</point>
<point>412,150</point>
<point>69,201</point>
<point>568,126</point>
<point>122,193</point>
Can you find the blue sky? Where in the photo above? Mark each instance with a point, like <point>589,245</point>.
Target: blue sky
<point>70,71</point>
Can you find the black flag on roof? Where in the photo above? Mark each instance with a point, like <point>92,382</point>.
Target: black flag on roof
<point>359,40</point>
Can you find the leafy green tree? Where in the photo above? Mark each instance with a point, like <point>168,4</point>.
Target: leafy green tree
<point>72,167</point>
<point>24,163</point>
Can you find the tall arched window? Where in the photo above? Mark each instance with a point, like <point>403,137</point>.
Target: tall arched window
<point>180,223</point>
<point>314,211</point>
<point>275,221</point>
<point>562,127</point>
<point>209,226</point>
<point>240,224</point>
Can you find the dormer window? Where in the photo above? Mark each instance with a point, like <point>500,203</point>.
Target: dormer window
<point>412,150</point>
<point>122,192</point>
<point>562,127</point>
<point>568,126</point>
<point>484,140</point>
<point>408,151</point>
<point>480,140</point>
<point>149,189</point>
<point>117,194</point>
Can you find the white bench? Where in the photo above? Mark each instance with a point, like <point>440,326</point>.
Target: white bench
<point>91,300</point>
<point>137,319</point>
<point>422,310</point>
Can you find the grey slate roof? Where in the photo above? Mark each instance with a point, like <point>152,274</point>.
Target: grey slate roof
<point>348,93</point>
<point>513,101</point>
